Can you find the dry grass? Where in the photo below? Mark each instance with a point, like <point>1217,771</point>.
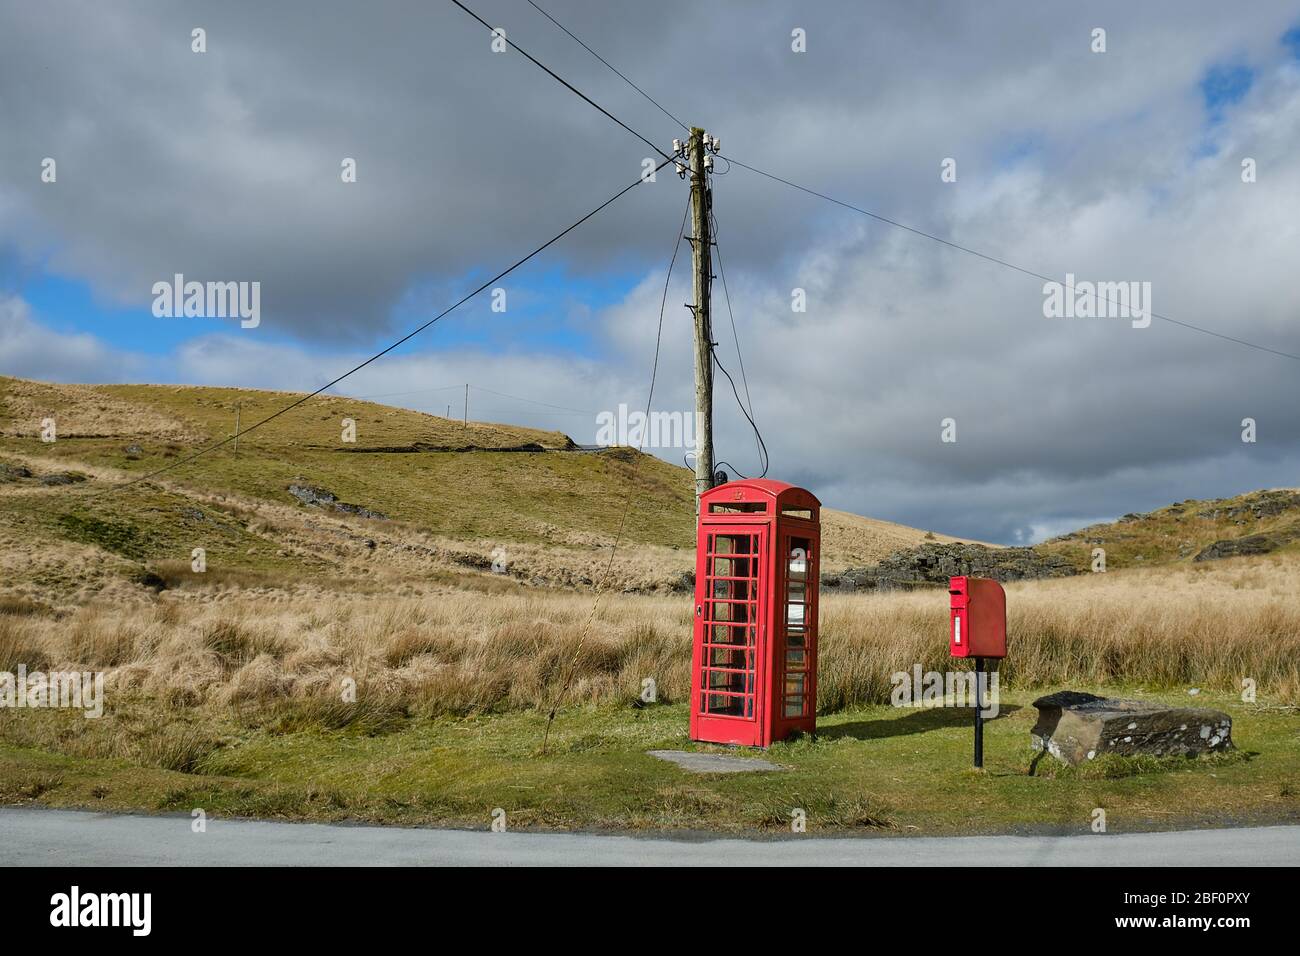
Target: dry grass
<point>458,652</point>
<point>318,423</point>
<point>1168,628</point>
<point>850,540</point>
<point>84,411</point>
<point>565,507</point>
<point>565,557</point>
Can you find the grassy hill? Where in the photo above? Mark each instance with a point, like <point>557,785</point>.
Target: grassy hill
<point>1191,531</point>
<point>291,504</point>
<point>224,689</point>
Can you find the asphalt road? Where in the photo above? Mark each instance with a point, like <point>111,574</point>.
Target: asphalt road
<point>40,837</point>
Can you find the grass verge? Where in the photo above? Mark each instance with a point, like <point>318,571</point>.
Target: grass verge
<point>874,769</point>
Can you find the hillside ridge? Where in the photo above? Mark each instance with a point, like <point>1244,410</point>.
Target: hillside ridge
<point>1189,531</point>
<point>414,497</point>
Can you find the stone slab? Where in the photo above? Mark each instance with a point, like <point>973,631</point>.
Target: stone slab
<point>714,763</point>
<point>1075,727</point>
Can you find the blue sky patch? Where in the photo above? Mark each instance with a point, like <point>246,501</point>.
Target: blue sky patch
<point>548,310</point>
<point>1291,40</point>
<point>1225,85</point>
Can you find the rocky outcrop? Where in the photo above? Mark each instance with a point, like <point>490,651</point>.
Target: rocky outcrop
<point>320,498</point>
<point>62,478</point>
<point>424,446</point>
<point>1075,727</point>
<point>683,583</point>
<point>1238,547</point>
<point>933,564</point>
<point>1265,504</point>
<point>12,472</point>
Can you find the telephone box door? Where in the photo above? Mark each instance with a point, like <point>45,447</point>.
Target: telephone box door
<point>796,651</point>
<point>730,647</point>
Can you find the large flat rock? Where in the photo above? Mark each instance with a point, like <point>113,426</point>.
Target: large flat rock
<point>714,763</point>
<point>1075,727</point>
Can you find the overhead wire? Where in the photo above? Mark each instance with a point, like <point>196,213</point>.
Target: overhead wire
<point>619,72</point>
<point>414,391</point>
<point>531,401</point>
<point>1003,262</point>
<point>722,274</point>
<point>511,44</point>
<point>405,338</point>
<point>912,229</point>
<point>757,434</point>
<point>627,501</point>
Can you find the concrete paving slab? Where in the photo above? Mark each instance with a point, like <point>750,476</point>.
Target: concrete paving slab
<point>715,763</point>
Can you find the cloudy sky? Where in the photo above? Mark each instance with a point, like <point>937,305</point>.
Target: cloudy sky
<point>1122,165</point>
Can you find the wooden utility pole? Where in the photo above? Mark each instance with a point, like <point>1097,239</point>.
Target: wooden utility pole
<point>701,250</point>
<point>466,422</point>
<point>237,405</point>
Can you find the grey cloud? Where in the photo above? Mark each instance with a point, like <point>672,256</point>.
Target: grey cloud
<point>226,165</point>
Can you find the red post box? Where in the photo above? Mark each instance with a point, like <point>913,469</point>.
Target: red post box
<point>979,618</point>
<point>754,658</point>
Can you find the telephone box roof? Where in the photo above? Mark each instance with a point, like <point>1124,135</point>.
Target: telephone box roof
<point>778,490</point>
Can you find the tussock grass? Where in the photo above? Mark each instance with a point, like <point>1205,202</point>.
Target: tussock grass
<point>179,747</point>
<point>179,574</point>
<point>370,715</point>
<point>26,786</point>
<point>1118,766</point>
<point>460,652</point>
<point>19,646</point>
<point>16,605</point>
<point>1180,627</point>
<point>140,734</point>
<point>85,410</point>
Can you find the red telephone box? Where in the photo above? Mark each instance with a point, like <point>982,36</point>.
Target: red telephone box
<point>754,662</point>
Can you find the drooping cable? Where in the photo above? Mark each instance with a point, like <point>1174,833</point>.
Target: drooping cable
<point>511,44</point>
<point>722,274</point>
<point>405,338</point>
<point>627,502</point>
<point>616,70</point>
<point>1003,262</point>
<point>757,434</point>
